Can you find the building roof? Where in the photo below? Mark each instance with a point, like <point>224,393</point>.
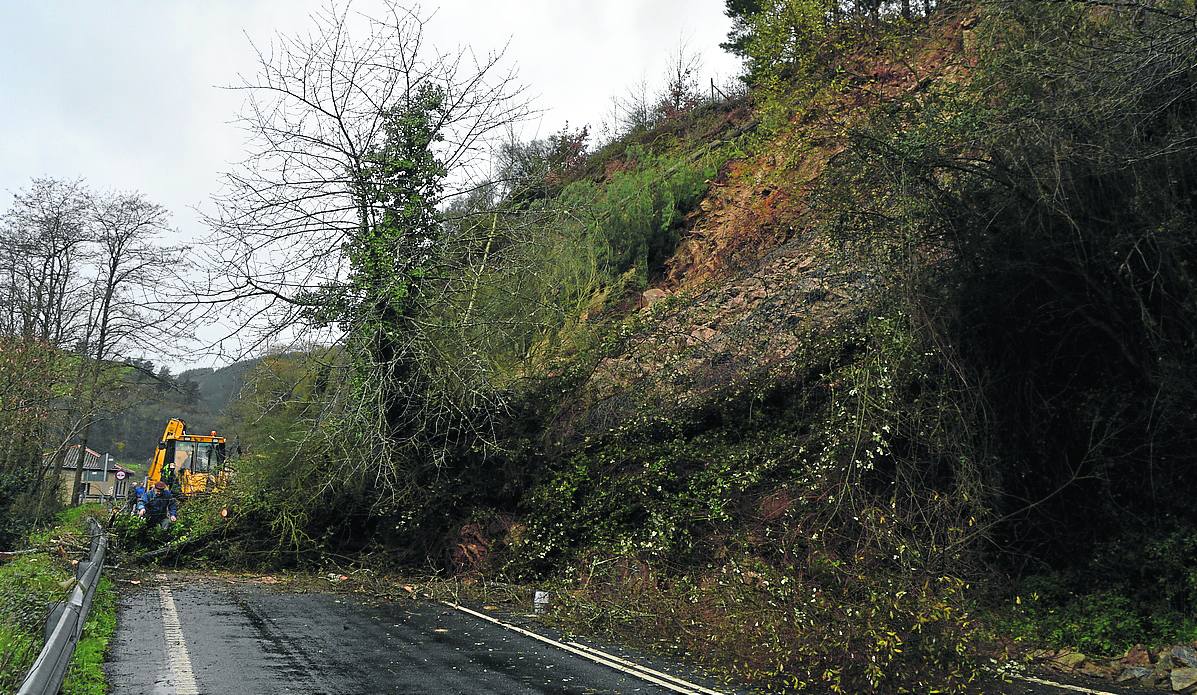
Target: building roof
<point>94,461</point>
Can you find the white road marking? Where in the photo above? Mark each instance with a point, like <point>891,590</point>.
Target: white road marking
<point>1063,686</point>
<point>666,681</point>
<point>640,667</point>
<point>176,646</point>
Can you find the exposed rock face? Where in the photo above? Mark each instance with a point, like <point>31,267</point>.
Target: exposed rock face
<point>706,342</point>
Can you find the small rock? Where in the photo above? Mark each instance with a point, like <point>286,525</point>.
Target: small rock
<point>1069,660</point>
<point>1139,674</point>
<point>1097,670</point>
<point>1137,656</point>
<point>1183,655</point>
<point>1183,679</point>
<point>1160,671</point>
<point>652,296</point>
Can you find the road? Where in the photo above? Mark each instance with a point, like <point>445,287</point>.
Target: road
<point>186,634</point>
<point>191,634</point>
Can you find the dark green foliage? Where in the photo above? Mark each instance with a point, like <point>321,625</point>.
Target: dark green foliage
<point>1039,217</point>
<point>1139,588</point>
<point>131,424</point>
<point>16,516</point>
<point>740,12</point>
<point>219,386</point>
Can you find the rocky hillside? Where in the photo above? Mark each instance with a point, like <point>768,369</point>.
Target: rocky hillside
<point>848,383</point>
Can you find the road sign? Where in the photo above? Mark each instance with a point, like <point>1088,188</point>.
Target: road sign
<point>120,475</point>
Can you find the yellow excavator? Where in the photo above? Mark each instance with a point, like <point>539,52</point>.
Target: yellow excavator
<point>189,463</point>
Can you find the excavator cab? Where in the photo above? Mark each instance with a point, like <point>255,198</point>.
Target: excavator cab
<point>189,463</point>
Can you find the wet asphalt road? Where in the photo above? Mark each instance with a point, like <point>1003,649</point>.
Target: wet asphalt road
<point>192,634</point>
<point>246,638</point>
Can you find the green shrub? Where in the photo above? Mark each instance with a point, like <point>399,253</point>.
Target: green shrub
<point>635,216</point>
<point>1100,623</point>
<point>29,585</point>
<point>1138,589</point>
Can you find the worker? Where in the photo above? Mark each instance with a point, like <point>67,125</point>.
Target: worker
<point>136,498</point>
<point>160,506</point>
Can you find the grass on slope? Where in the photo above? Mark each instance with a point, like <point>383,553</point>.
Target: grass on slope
<point>29,587</point>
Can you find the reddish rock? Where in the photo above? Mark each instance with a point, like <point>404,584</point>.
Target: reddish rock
<point>652,296</point>
<point>1137,656</point>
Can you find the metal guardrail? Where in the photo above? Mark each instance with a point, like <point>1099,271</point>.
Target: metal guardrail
<point>65,624</point>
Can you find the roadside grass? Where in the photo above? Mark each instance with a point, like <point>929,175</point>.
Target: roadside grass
<point>86,675</point>
<point>29,586</point>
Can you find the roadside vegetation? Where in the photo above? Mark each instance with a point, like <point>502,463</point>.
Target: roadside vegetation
<point>41,575</point>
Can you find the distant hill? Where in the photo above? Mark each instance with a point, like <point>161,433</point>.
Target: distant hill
<point>218,387</point>
<point>132,428</point>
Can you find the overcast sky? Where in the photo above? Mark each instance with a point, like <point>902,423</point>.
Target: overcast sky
<point>124,93</point>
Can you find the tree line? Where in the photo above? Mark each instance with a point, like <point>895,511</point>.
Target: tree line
<point>83,279</point>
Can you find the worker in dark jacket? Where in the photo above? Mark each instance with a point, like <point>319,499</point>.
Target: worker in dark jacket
<point>161,507</point>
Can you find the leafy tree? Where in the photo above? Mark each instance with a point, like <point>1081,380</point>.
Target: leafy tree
<point>740,12</point>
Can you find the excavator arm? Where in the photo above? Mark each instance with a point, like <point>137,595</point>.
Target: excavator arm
<point>174,429</point>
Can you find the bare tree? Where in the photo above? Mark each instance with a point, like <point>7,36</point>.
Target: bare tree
<point>130,263</point>
<point>44,233</point>
<point>333,226</point>
<point>681,92</point>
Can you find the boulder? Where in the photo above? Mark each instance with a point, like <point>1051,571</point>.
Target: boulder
<point>1183,655</point>
<point>1137,656</point>
<point>1183,679</point>
<point>652,296</point>
<point>1069,660</point>
<point>1141,675</point>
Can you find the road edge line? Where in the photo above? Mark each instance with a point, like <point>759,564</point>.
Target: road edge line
<point>1062,686</point>
<point>577,652</point>
<point>631,664</point>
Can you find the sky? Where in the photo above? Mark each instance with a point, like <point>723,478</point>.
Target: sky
<point>126,93</point>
